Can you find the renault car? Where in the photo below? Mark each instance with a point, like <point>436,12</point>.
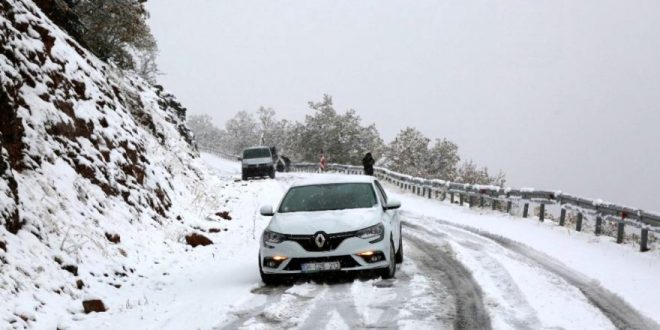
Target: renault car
<point>336,224</point>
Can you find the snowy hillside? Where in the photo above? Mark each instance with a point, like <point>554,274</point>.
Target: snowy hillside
<point>96,173</point>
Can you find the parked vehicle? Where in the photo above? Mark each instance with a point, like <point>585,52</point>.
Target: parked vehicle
<point>256,162</point>
<point>345,224</point>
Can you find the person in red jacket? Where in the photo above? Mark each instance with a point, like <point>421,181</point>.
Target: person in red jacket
<point>322,162</point>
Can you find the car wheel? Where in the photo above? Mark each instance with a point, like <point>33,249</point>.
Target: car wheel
<point>272,174</point>
<point>244,176</point>
<point>268,279</point>
<point>399,253</point>
<point>390,271</point>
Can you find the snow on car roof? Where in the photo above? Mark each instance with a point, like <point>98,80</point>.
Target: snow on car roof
<point>334,178</point>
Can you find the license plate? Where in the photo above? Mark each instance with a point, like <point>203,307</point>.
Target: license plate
<point>320,266</point>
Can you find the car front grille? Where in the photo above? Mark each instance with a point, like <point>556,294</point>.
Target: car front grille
<point>344,262</point>
<point>332,241</point>
<point>258,165</point>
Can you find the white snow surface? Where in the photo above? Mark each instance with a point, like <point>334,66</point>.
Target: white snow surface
<point>175,286</point>
<point>217,286</point>
<point>622,269</point>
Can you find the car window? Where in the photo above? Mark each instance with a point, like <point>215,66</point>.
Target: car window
<point>380,196</point>
<point>256,153</point>
<point>336,196</point>
<point>382,191</point>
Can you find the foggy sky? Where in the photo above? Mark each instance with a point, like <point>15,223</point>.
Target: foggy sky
<point>561,95</point>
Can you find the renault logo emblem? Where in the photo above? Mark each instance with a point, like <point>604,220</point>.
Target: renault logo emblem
<point>319,239</point>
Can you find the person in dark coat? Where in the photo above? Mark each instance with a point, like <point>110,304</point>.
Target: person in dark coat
<point>368,163</point>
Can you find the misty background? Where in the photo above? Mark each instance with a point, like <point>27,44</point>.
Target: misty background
<point>560,95</point>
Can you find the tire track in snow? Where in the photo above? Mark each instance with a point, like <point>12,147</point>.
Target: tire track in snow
<point>511,306</point>
<point>284,307</point>
<point>470,312</point>
<point>619,312</point>
<point>339,301</point>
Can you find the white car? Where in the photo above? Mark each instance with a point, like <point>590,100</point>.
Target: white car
<point>337,224</point>
<point>257,161</point>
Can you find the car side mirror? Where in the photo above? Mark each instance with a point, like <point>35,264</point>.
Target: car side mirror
<point>267,211</point>
<point>392,204</point>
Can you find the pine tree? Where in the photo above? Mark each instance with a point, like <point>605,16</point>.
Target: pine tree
<point>444,159</point>
<point>117,31</point>
<point>408,153</point>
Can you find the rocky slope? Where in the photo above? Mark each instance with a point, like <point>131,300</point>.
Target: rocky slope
<point>96,169</point>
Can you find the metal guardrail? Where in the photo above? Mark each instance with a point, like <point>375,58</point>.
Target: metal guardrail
<point>499,198</point>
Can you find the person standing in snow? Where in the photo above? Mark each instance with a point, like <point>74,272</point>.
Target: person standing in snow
<point>322,162</point>
<point>368,163</point>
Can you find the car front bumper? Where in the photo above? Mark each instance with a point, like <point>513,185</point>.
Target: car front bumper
<point>261,170</point>
<point>346,254</point>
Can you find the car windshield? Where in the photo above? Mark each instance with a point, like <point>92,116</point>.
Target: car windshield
<point>256,153</point>
<point>336,196</point>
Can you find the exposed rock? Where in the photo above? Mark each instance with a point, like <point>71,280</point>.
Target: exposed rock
<point>73,269</point>
<point>215,230</point>
<point>195,240</point>
<point>3,246</point>
<point>224,214</point>
<point>94,305</point>
<point>114,238</point>
<point>80,284</point>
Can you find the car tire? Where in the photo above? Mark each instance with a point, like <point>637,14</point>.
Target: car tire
<point>399,253</point>
<point>268,279</point>
<point>272,174</point>
<point>244,176</point>
<point>390,270</point>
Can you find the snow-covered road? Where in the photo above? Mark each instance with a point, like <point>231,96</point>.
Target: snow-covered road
<point>500,273</point>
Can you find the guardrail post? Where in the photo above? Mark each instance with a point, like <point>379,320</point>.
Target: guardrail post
<point>578,222</point>
<point>471,200</point>
<point>481,201</point>
<point>429,192</point>
<point>562,217</point>
<point>461,198</point>
<point>493,204</point>
<point>508,207</point>
<point>525,210</point>
<point>451,197</point>
<point>599,225</point>
<point>620,232</point>
<point>644,240</point>
<point>542,213</point>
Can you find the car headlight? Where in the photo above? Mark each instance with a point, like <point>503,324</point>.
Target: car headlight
<point>374,233</point>
<point>272,237</point>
